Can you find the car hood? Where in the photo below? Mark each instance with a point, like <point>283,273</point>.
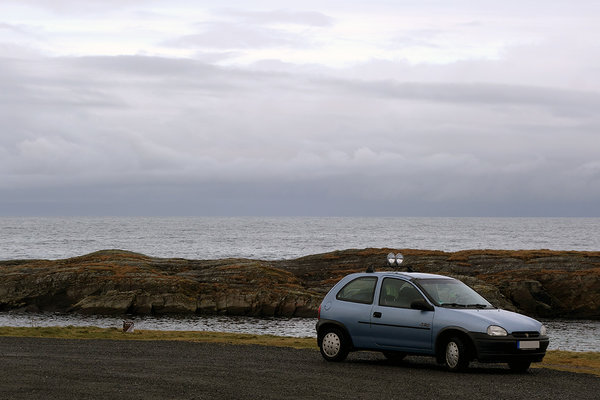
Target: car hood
<point>478,320</point>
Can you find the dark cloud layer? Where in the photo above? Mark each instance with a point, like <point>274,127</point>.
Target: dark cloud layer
<point>149,135</point>
<point>515,134</point>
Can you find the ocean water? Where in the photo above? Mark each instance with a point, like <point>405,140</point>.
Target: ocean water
<point>272,238</point>
<point>564,335</point>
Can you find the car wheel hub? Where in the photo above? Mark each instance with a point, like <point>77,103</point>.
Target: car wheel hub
<point>452,354</point>
<point>331,344</point>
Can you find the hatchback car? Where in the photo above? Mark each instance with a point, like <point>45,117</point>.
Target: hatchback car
<point>401,313</point>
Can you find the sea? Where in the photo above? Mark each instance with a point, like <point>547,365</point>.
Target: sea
<point>276,238</point>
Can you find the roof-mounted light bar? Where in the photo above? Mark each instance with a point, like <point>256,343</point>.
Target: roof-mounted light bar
<point>395,259</point>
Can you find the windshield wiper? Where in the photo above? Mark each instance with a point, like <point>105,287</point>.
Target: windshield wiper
<point>477,305</point>
<point>453,305</point>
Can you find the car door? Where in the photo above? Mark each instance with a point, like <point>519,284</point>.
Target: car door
<point>353,308</point>
<point>396,326</point>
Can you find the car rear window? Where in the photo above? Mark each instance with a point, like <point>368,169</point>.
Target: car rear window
<point>359,290</point>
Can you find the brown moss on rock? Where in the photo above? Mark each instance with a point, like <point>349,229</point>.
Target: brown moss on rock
<point>537,282</point>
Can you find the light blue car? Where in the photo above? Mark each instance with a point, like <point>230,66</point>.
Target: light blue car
<point>400,313</point>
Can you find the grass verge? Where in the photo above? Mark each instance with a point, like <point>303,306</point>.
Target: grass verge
<point>588,362</point>
<point>583,362</point>
<point>73,332</point>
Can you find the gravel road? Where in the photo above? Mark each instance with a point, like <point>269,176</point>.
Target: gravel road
<point>103,369</point>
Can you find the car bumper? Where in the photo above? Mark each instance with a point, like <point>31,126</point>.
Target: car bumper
<point>508,348</point>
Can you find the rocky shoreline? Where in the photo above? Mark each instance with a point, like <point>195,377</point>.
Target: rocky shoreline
<point>540,283</point>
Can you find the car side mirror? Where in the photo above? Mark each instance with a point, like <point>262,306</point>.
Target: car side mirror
<point>421,305</point>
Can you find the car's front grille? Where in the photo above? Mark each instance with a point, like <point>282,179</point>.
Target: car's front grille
<point>526,335</point>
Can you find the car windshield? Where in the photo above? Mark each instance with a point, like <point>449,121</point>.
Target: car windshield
<point>452,293</point>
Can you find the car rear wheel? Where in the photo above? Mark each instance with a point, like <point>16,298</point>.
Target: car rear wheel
<point>519,366</point>
<point>455,355</point>
<point>333,345</point>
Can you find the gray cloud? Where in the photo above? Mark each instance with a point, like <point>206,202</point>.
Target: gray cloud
<point>228,35</point>
<point>130,129</point>
<point>310,18</point>
<point>89,7</point>
<point>252,30</point>
<point>158,135</point>
<point>11,28</point>
<point>566,102</point>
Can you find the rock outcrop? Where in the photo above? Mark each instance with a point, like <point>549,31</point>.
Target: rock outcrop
<point>540,283</point>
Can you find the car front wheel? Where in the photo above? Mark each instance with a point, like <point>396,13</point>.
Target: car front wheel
<point>455,355</point>
<point>333,345</point>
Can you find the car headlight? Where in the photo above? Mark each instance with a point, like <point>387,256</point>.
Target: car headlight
<point>495,330</point>
<point>543,330</point>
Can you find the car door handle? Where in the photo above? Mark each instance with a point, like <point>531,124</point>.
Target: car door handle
<point>377,314</point>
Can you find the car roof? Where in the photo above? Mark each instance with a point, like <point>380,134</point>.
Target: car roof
<point>408,275</point>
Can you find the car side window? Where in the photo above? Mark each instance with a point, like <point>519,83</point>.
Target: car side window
<point>359,290</point>
<point>398,293</point>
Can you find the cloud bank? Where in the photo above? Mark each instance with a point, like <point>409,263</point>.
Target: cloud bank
<point>260,115</point>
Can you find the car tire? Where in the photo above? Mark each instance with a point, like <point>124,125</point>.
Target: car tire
<point>333,346</point>
<point>394,355</point>
<point>519,366</point>
<point>455,355</point>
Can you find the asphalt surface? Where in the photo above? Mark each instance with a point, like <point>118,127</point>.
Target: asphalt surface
<point>103,369</point>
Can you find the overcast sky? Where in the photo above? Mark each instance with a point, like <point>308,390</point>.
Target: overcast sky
<point>387,108</point>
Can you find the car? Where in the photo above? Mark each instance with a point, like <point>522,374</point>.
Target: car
<point>412,313</point>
